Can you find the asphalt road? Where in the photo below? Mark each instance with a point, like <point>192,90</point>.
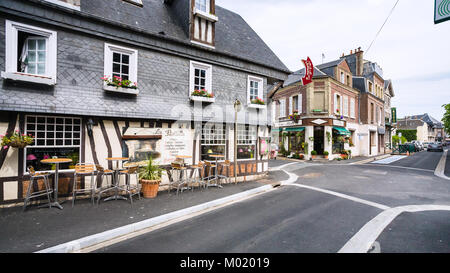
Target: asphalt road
<point>298,219</point>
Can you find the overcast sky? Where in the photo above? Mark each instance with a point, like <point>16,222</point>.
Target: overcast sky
<point>411,49</point>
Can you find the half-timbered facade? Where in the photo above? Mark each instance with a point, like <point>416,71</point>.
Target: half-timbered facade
<point>58,61</point>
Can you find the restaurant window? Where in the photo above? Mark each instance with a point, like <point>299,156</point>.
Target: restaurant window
<point>30,53</point>
<point>246,142</point>
<point>53,137</point>
<point>121,62</point>
<point>213,141</point>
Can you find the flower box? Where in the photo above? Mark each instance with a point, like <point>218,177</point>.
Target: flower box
<point>202,99</point>
<point>121,89</point>
<point>257,106</point>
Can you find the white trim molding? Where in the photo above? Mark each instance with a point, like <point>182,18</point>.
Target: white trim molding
<point>208,80</point>
<point>260,94</point>
<point>11,40</point>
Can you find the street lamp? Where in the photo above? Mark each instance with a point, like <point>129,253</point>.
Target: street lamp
<point>237,108</point>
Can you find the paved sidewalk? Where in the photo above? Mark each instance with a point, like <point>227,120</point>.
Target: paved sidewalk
<point>38,229</point>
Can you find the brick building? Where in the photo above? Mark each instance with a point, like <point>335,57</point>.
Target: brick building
<point>54,53</point>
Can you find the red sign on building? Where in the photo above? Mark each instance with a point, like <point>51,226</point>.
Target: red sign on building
<point>309,71</point>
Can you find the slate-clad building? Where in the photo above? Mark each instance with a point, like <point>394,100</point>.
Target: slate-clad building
<point>56,55</point>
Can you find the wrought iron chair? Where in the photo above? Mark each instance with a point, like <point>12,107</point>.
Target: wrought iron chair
<point>34,176</point>
<point>84,169</point>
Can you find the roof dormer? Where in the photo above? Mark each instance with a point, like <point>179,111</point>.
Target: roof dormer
<point>203,21</point>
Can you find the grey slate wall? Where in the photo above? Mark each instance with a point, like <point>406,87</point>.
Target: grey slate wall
<point>163,81</point>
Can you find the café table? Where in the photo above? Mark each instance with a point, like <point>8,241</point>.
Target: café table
<point>116,177</point>
<point>216,156</point>
<point>183,157</point>
<point>56,161</point>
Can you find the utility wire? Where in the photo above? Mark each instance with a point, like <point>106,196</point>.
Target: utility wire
<point>392,10</point>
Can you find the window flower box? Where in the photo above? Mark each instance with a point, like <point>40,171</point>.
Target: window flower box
<point>202,95</point>
<point>117,84</point>
<point>257,103</point>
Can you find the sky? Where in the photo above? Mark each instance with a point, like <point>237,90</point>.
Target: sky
<point>411,49</point>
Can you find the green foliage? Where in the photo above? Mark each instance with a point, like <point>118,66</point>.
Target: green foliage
<point>16,139</point>
<point>326,153</point>
<point>446,118</point>
<point>313,152</point>
<point>396,140</point>
<point>410,135</point>
<point>151,171</point>
<point>329,136</point>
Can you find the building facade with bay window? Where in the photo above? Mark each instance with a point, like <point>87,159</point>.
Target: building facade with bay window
<point>88,81</point>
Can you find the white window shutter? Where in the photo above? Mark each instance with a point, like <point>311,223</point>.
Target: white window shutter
<point>290,105</point>
<point>335,103</point>
<point>352,108</point>
<point>300,104</point>
<point>345,109</point>
<point>342,105</point>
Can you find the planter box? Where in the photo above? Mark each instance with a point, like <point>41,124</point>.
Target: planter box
<point>202,99</point>
<point>120,90</point>
<point>17,76</point>
<point>257,106</point>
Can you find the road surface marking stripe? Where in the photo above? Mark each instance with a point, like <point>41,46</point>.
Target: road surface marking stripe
<point>389,160</point>
<point>440,168</point>
<point>366,236</point>
<point>355,199</point>
<point>282,166</point>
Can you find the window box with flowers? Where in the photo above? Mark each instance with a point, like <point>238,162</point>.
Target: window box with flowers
<point>202,95</point>
<point>257,103</point>
<point>16,140</point>
<point>117,84</point>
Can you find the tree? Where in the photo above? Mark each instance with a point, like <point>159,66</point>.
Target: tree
<point>446,118</point>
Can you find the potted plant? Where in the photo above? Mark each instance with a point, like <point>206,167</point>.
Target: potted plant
<point>16,140</point>
<point>118,82</point>
<point>150,178</point>
<point>344,154</point>
<point>325,154</point>
<point>295,116</point>
<point>328,137</point>
<point>313,154</point>
<point>258,101</point>
<point>202,93</point>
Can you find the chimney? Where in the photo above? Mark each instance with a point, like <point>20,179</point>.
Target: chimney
<point>359,62</point>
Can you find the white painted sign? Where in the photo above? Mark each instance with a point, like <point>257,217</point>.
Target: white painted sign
<point>338,122</point>
<point>319,121</point>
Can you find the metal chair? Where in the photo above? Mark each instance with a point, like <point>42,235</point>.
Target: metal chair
<point>224,165</point>
<point>131,190</point>
<point>197,175</point>
<point>182,177</point>
<point>210,175</point>
<point>34,177</point>
<point>83,169</point>
<point>102,173</point>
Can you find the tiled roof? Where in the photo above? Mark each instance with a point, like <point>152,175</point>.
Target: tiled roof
<point>233,35</point>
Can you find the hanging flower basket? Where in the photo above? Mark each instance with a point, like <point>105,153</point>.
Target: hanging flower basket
<point>16,140</point>
<point>295,116</point>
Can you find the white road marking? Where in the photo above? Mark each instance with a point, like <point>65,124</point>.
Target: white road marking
<point>440,168</point>
<point>355,199</point>
<point>390,160</point>
<point>363,240</point>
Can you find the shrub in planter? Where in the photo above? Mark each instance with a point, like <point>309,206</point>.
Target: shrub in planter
<point>325,154</point>
<point>150,178</point>
<point>313,154</point>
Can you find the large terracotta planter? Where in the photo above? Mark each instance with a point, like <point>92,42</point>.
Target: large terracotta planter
<point>149,188</point>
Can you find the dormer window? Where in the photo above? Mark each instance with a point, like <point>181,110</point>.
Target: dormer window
<point>202,5</point>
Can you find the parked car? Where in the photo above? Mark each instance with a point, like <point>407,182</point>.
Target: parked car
<point>425,145</point>
<point>435,146</point>
<point>418,145</point>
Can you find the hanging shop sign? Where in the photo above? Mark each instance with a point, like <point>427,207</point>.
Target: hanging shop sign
<point>309,71</point>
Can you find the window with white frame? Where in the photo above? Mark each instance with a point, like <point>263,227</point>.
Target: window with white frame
<point>352,108</point>
<point>121,62</point>
<point>246,141</point>
<point>338,104</point>
<point>202,5</point>
<point>342,77</point>
<point>255,89</point>
<point>282,108</point>
<point>54,136</point>
<point>200,77</point>
<point>345,108</point>
<point>213,140</point>
<point>30,53</point>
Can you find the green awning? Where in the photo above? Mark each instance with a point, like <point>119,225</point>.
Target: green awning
<point>296,129</point>
<point>277,129</point>
<point>342,131</point>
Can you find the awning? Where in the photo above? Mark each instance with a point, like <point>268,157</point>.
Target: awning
<point>296,129</point>
<point>277,129</point>
<point>342,131</point>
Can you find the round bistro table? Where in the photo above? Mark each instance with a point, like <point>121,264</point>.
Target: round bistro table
<point>56,161</point>
<point>116,178</point>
